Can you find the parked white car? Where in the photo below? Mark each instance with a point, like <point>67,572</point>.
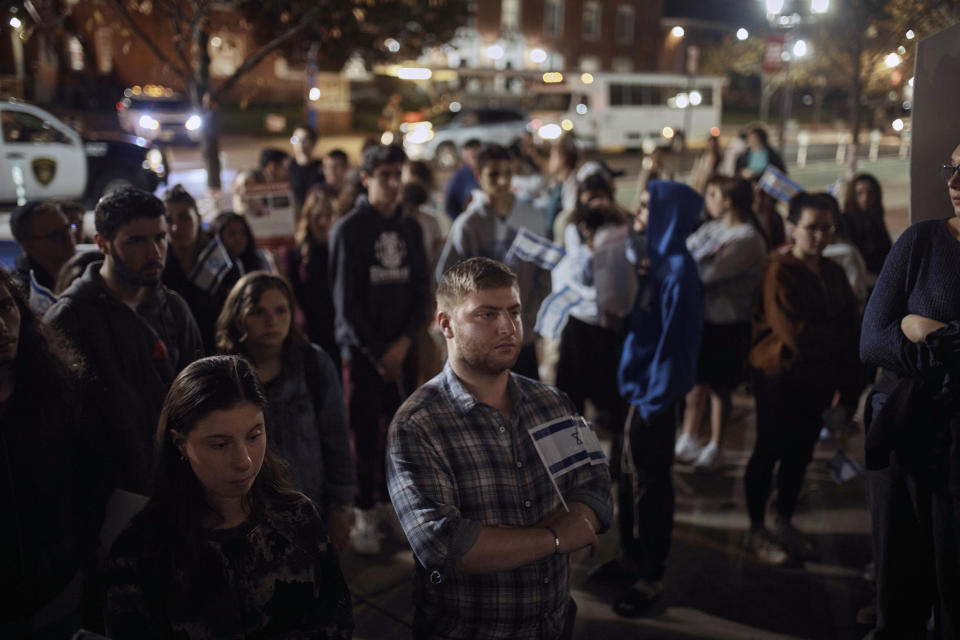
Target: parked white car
<point>440,140</point>
<point>157,113</point>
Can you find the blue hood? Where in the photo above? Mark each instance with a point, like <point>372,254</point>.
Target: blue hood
<point>674,210</point>
<point>659,358</point>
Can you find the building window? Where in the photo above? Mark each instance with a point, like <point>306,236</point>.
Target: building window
<point>590,64</point>
<point>510,15</point>
<point>625,22</point>
<point>622,65</point>
<point>75,52</point>
<point>103,38</point>
<point>553,17</point>
<point>591,20</point>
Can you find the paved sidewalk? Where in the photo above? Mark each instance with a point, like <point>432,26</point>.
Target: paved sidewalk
<point>713,589</point>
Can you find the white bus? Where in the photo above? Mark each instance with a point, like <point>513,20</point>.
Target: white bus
<point>610,111</point>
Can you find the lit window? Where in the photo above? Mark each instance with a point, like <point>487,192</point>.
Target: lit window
<point>510,15</point>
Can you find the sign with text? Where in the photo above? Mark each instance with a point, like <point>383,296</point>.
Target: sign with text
<point>269,209</point>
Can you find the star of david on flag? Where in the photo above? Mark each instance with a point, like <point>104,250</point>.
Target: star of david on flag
<point>566,444</point>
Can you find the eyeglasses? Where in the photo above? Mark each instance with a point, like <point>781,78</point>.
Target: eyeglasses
<point>947,171</point>
<point>58,235</point>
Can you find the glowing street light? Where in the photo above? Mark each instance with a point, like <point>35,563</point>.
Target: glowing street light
<point>677,32</point>
<point>15,22</point>
<point>892,60</point>
<point>819,6</point>
<point>414,73</point>
<point>800,48</point>
<point>774,6</point>
<point>538,55</point>
<point>494,52</point>
<point>742,34</point>
<point>314,94</point>
<point>392,45</point>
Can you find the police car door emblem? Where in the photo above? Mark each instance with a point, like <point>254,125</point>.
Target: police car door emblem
<point>44,169</point>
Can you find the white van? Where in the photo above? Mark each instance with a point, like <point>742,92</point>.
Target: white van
<point>612,111</point>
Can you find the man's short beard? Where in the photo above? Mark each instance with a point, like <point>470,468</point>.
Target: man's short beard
<point>484,365</point>
<point>126,274</point>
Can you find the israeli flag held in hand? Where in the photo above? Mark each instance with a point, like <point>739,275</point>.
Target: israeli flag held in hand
<point>213,265</point>
<point>554,312</point>
<point>567,443</point>
<point>530,247</point>
<point>777,184</point>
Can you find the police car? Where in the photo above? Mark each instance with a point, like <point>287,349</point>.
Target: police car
<point>43,158</point>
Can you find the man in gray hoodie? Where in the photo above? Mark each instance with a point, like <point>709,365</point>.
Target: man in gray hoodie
<point>483,230</point>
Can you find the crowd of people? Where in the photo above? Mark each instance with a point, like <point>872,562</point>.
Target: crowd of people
<point>194,429</point>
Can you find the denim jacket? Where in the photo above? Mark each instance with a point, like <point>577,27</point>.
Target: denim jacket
<point>307,426</point>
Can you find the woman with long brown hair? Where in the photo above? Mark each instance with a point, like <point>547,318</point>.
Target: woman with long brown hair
<point>225,547</point>
<point>307,268</point>
<point>306,416</point>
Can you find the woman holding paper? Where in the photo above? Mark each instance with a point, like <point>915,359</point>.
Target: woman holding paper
<point>191,254</point>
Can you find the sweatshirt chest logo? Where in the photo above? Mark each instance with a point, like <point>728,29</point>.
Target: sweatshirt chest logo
<point>391,253</point>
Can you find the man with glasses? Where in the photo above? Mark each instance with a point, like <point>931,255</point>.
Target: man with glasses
<point>47,239</point>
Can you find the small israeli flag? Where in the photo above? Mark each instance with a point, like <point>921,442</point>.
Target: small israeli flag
<point>777,184</point>
<point>566,444</point>
<point>41,298</point>
<point>530,247</point>
<point>213,265</point>
<point>843,468</point>
<point>554,312</point>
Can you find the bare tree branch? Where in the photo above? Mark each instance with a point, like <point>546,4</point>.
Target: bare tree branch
<point>118,5</point>
<point>255,59</point>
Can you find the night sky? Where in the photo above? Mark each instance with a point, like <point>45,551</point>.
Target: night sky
<point>729,11</point>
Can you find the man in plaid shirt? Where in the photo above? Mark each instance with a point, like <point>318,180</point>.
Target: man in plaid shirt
<point>487,527</point>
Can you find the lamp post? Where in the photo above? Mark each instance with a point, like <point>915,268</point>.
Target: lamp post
<point>784,15</point>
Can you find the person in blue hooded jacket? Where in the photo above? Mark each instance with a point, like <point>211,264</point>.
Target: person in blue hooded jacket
<point>656,371</point>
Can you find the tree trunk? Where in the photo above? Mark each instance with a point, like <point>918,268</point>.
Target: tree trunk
<point>210,140</point>
<point>210,148</point>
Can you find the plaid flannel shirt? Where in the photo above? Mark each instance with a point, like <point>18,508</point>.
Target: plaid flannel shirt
<point>454,465</point>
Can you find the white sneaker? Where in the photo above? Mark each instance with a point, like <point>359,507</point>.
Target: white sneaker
<point>708,459</point>
<point>687,449</point>
<point>364,537</point>
<point>762,545</point>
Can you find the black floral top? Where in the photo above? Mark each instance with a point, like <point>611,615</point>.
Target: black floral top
<point>276,576</point>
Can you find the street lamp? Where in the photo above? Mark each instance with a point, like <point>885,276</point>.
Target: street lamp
<point>819,6</point>
<point>495,52</point>
<point>677,32</point>
<point>742,34</point>
<point>910,34</point>
<point>15,22</point>
<point>538,55</point>
<point>892,60</point>
<point>774,6</point>
<point>799,48</point>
